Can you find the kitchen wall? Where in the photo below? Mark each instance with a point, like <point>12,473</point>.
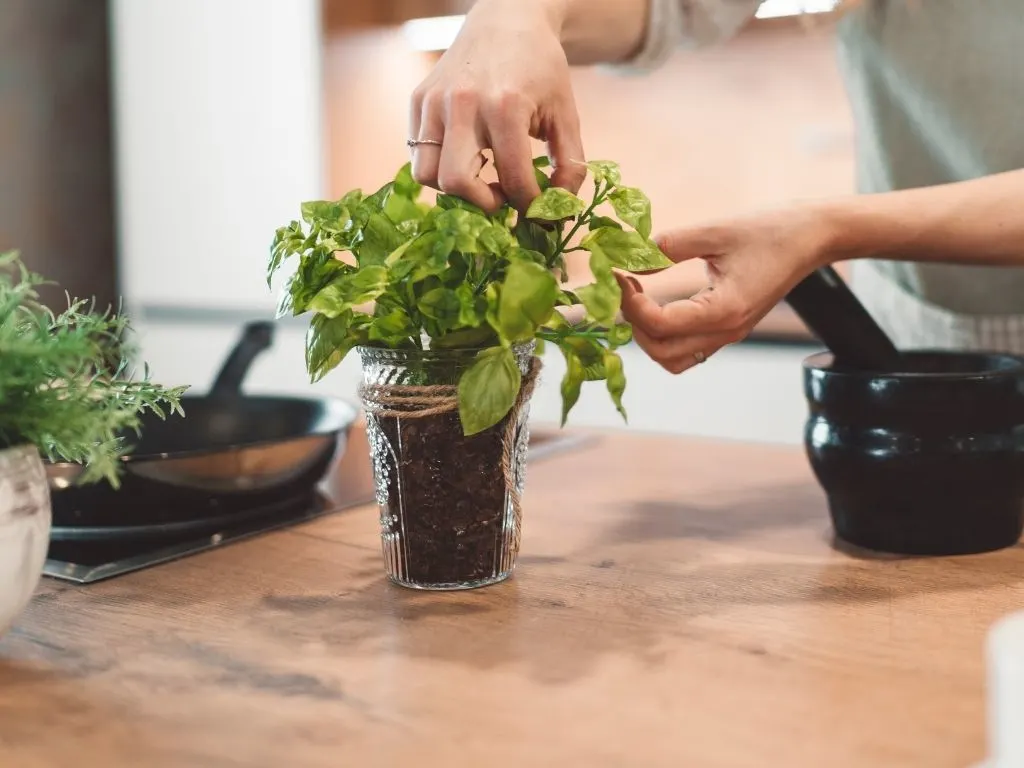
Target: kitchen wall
<point>753,123</point>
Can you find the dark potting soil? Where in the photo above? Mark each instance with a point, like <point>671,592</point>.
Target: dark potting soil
<point>453,497</point>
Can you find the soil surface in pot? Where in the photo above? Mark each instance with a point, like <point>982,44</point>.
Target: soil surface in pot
<point>453,497</point>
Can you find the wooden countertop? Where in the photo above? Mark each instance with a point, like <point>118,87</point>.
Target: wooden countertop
<point>687,609</point>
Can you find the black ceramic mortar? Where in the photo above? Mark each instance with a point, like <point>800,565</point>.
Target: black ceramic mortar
<point>928,460</point>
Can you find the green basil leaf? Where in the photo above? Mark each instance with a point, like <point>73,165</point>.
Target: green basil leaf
<point>504,217</point>
<point>589,352</point>
<point>435,262</point>
<point>525,254</point>
<point>567,299</point>
<point>605,171</point>
<point>330,217</point>
<point>315,272</point>
<point>596,222</point>
<point>465,227</point>
<point>377,240</point>
<point>405,185</point>
<point>352,199</point>
<point>620,335</point>
<point>350,289</point>
<point>375,202</point>
<point>543,181</point>
<point>572,383</point>
<point>633,207</point>
<point>472,308</point>
<point>488,390</point>
<point>526,300</point>
<point>543,161</point>
<point>616,380</point>
<point>442,305</point>
<point>555,204</point>
<point>491,310</point>
<point>450,203</point>
<point>532,236</point>
<point>625,250</point>
<point>328,341</point>
<point>466,338</point>
<point>403,212</point>
<point>284,302</point>
<point>398,253</point>
<point>603,297</point>
<point>495,240</point>
<point>402,206</point>
<point>288,241</point>
<point>392,328</point>
<point>420,258</point>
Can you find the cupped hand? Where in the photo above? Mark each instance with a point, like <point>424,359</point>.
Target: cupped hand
<point>751,263</point>
<point>504,80</point>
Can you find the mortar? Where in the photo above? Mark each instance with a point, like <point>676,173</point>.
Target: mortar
<point>927,460</point>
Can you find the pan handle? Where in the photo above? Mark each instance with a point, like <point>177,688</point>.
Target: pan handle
<point>256,337</point>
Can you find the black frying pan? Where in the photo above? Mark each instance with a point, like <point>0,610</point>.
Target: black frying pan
<point>229,455</point>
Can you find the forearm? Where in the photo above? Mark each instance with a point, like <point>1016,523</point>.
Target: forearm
<point>638,33</point>
<point>591,31</point>
<point>973,222</point>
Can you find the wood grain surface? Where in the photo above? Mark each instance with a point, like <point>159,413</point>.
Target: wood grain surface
<point>678,603</point>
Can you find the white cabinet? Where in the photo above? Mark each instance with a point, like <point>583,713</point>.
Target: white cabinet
<point>218,139</point>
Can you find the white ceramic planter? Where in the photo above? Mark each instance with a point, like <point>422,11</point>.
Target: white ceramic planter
<point>25,517</point>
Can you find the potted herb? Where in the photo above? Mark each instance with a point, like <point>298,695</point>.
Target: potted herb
<point>446,306</point>
<point>65,394</point>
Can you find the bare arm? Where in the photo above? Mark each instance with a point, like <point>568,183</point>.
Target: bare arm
<point>590,31</point>
<point>616,31</point>
<point>972,222</point>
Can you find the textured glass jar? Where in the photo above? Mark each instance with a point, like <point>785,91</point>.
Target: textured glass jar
<point>448,503</point>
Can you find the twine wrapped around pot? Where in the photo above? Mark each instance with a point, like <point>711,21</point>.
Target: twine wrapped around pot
<point>411,401</point>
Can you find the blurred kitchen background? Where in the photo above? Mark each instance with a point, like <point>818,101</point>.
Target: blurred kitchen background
<point>148,149</point>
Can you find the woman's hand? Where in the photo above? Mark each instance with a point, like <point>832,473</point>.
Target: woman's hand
<point>751,264</point>
<point>505,79</point>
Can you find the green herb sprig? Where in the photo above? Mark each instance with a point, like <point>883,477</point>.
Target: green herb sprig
<point>65,382</point>
<point>450,276</point>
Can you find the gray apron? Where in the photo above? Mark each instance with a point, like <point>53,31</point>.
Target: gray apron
<point>937,91</point>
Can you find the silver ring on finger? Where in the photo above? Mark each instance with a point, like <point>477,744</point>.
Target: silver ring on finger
<point>413,143</point>
<point>699,356</point>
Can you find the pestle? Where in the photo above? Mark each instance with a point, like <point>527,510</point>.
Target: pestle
<point>834,314</point>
